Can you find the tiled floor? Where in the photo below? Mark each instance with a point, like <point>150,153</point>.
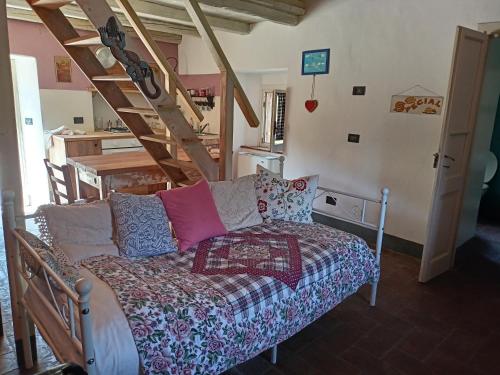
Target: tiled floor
<point>448,326</point>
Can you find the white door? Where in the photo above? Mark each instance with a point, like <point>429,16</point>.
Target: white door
<point>456,139</point>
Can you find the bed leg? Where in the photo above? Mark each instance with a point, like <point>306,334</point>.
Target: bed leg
<point>32,331</point>
<point>373,296</point>
<point>274,354</point>
<point>83,287</point>
<point>16,285</point>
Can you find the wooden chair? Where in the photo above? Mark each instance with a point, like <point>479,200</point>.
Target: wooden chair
<point>64,180</point>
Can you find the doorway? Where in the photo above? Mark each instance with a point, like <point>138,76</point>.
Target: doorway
<point>481,249</point>
<point>29,132</point>
<point>473,102</point>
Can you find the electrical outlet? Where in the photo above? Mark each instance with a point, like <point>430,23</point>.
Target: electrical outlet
<point>28,121</point>
<point>353,138</point>
<point>331,200</point>
<point>77,120</point>
<point>359,90</point>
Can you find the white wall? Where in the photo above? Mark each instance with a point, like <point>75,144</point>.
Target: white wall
<point>60,106</point>
<point>30,132</point>
<point>388,46</point>
<point>481,145</point>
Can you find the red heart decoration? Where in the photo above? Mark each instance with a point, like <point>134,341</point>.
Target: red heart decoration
<point>311,105</point>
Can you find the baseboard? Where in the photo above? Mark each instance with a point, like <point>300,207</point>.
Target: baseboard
<point>370,235</point>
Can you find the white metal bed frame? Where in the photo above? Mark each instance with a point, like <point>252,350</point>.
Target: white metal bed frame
<point>82,346</point>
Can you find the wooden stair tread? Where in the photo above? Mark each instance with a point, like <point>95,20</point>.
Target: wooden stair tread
<point>50,4</point>
<point>138,110</point>
<point>112,77</point>
<point>84,41</point>
<point>177,163</point>
<point>158,138</point>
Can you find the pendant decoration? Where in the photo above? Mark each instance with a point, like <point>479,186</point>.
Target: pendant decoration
<point>138,70</point>
<point>312,103</point>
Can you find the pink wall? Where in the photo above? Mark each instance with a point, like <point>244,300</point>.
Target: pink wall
<point>200,81</point>
<point>33,39</point>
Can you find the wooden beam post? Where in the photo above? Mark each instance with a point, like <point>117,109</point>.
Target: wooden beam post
<point>10,170</point>
<point>172,88</point>
<point>226,127</point>
<point>208,36</point>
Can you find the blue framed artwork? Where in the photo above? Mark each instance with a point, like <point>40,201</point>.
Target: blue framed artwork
<point>316,62</point>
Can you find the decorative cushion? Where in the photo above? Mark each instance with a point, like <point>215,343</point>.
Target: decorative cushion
<point>288,200</point>
<point>79,227</point>
<point>236,202</point>
<point>142,225</point>
<point>193,214</point>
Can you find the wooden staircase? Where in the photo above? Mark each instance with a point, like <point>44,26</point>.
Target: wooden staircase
<point>160,147</point>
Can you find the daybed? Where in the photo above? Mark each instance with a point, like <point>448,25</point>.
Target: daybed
<point>178,313</point>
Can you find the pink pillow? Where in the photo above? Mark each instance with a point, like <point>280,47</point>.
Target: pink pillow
<point>193,214</point>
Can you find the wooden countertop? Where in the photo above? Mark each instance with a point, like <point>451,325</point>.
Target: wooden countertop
<point>111,164</point>
<point>120,162</point>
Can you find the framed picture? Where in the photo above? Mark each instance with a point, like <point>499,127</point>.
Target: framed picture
<point>316,61</point>
<point>63,68</point>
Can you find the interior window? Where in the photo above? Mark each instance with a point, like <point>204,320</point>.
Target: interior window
<point>272,134</point>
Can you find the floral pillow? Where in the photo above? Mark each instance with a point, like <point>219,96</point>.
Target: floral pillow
<point>288,200</point>
<point>142,225</point>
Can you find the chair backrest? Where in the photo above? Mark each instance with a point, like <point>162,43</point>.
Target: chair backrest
<point>60,176</point>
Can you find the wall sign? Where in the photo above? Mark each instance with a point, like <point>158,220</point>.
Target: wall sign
<point>416,103</point>
<point>316,62</point>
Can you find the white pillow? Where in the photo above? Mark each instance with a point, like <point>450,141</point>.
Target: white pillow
<point>236,202</point>
<point>79,230</point>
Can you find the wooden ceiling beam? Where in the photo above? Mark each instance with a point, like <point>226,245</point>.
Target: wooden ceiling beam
<point>166,13</point>
<point>85,25</point>
<point>74,11</point>
<point>273,10</point>
<point>296,7</point>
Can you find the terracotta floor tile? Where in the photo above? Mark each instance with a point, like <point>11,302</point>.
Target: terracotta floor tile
<point>420,343</point>
<point>367,363</point>
<point>406,363</point>
<point>325,361</point>
<point>380,340</point>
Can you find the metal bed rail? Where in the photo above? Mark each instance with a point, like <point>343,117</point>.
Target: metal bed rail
<point>69,308</point>
<point>379,226</point>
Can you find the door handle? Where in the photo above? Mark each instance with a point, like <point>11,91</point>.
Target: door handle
<point>436,160</point>
<point>449,157</point>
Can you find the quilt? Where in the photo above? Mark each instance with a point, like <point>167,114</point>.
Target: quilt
<point>190,323</point>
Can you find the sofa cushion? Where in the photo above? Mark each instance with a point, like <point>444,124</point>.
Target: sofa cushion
<point>289,200</point>
<point>236,202</point>
<point>193,214</point>
<point>142,225</point>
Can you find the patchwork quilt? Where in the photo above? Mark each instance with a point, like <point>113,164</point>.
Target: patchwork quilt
<point>190,315</point>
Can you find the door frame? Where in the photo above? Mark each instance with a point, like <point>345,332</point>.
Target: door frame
<point>425,268</point>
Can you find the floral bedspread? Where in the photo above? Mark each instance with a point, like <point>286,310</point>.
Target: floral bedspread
<point>188,323</point>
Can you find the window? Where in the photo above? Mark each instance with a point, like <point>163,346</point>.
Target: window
<point>272,135</point>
